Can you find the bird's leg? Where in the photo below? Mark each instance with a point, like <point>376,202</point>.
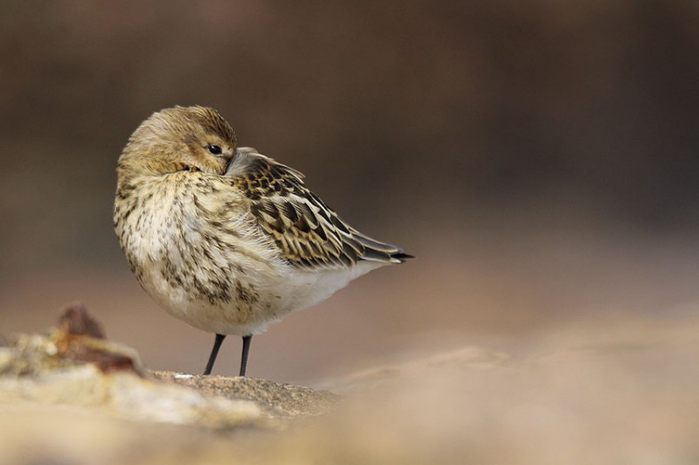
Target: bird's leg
<point>214,352</point>
<point>244,357</point>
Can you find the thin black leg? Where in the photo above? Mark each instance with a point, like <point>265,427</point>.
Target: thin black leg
<point>214,352</point>
<point>244,357</point>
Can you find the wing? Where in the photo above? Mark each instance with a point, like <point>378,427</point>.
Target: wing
<point>308,233</point>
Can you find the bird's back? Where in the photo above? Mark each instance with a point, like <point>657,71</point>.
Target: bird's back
<point>308,234</point>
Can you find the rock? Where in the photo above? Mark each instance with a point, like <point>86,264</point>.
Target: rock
<point>278,400</point>
<point>73,397</point>
<point>79,340</point>
<point>76,366</point>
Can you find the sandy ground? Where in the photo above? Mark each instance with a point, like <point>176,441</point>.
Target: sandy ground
<point>609,394</point>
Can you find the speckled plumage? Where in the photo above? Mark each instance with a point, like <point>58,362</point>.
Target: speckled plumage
<point>225,238</point>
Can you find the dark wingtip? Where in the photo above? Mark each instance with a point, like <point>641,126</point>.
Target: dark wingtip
<point>379,251</point>
<point>401,256</point>
<point>387,252</point>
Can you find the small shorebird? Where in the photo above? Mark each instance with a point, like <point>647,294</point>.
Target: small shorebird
<point>225,238</point>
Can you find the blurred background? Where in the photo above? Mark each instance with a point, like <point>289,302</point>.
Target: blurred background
<point>539,158</point>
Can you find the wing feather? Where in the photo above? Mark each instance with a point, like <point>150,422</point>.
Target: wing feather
<point>307,232</point>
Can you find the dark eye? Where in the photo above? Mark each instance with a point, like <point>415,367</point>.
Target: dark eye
<point>214,149</point>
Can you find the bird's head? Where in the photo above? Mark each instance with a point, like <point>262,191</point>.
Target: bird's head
<point>177,139</point>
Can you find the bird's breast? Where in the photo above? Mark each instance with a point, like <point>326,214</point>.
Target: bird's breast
<point>193,248</point>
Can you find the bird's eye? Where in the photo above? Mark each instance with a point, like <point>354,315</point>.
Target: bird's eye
<point>214,149</point>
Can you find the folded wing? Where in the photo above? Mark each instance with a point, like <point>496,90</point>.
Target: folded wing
<point>308,233</point>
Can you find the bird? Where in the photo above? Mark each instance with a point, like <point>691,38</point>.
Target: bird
<point>225,238</point>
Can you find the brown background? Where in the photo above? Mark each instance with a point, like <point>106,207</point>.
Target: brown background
<point>539,157</point>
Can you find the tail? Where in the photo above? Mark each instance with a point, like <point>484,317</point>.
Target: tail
<point>379,251</point>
